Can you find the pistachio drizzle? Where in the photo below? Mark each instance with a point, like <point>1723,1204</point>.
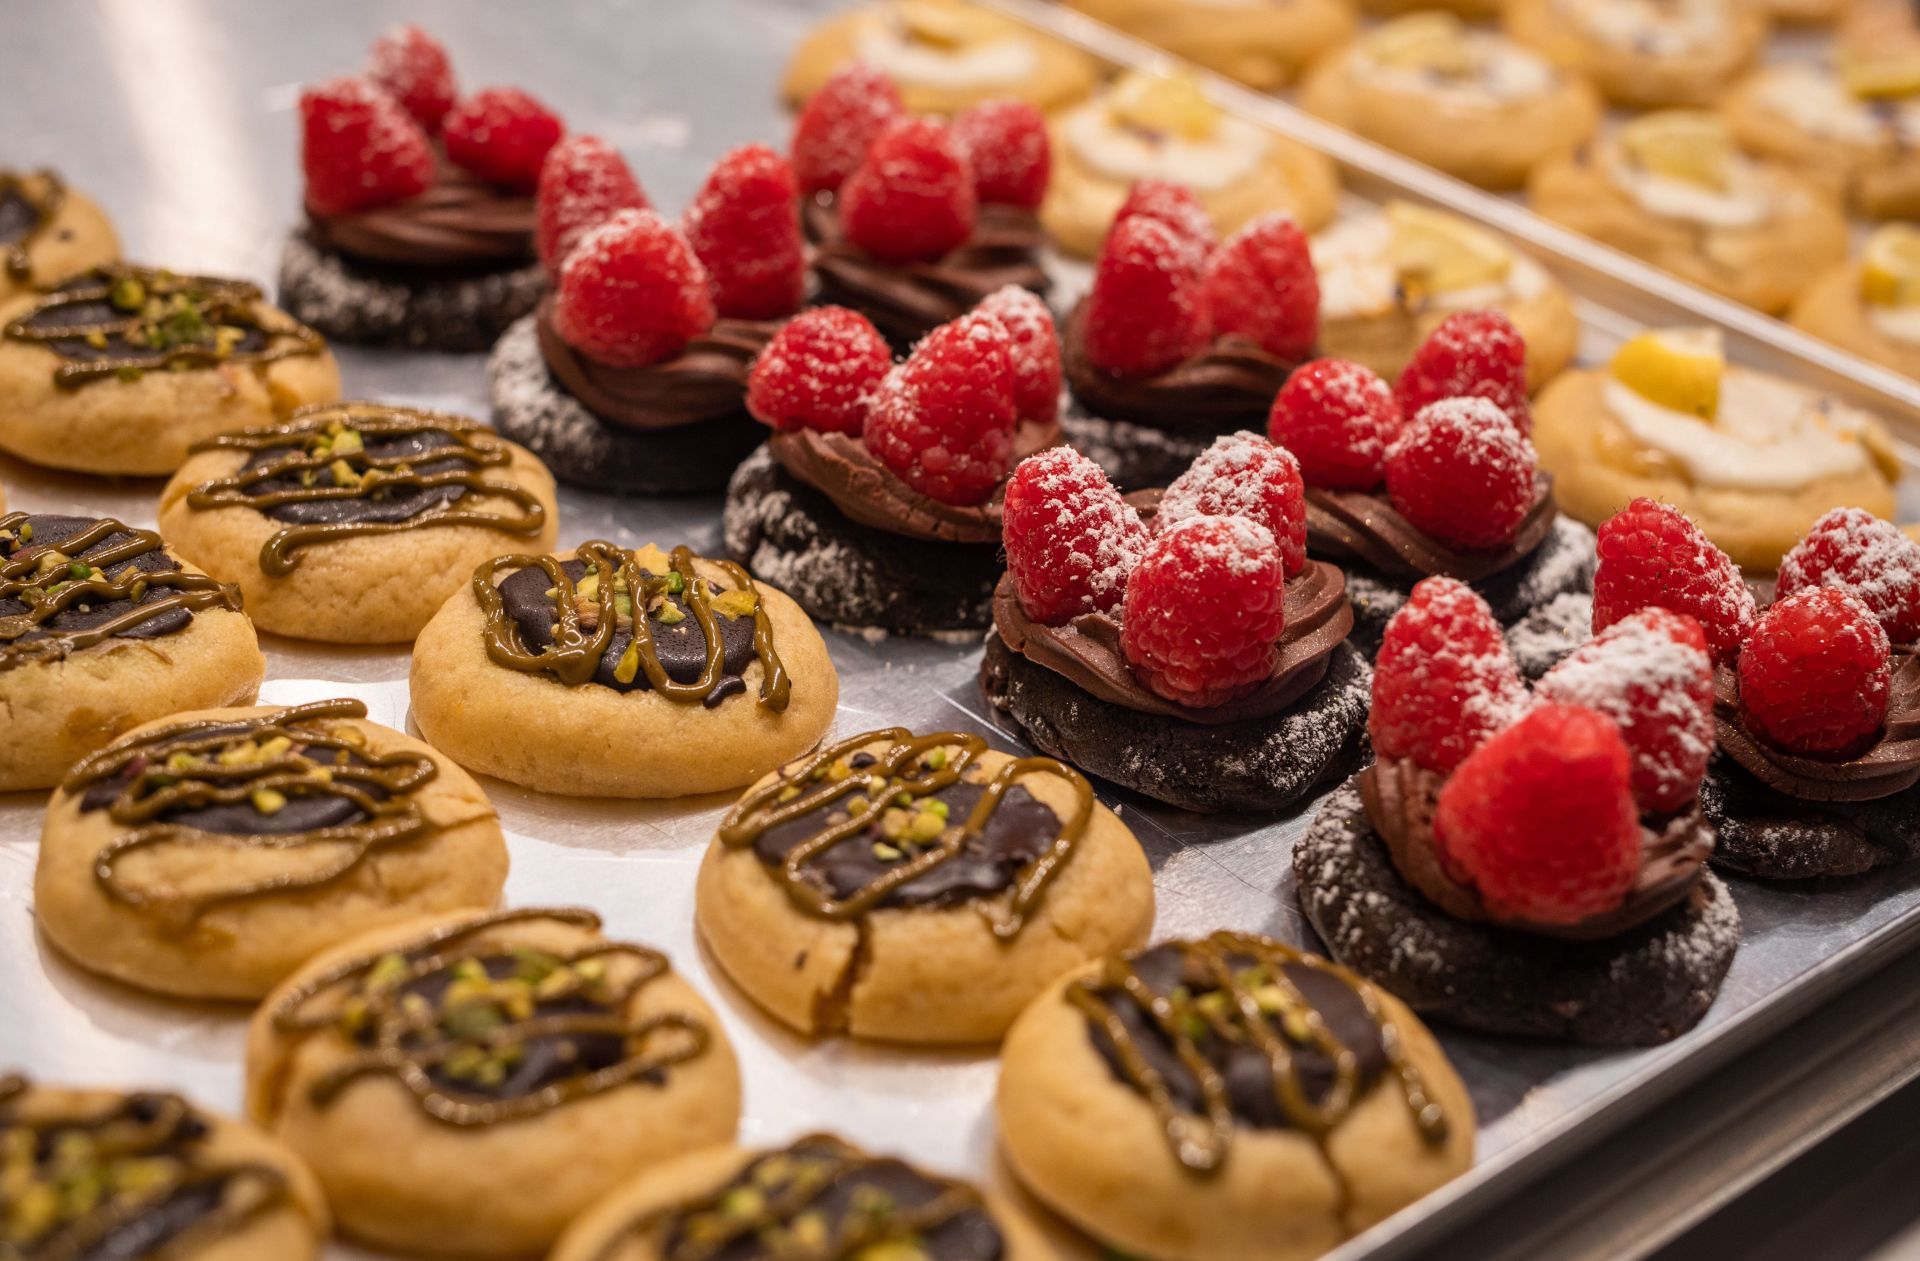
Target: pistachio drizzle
<point>152,320</point>
<point>911,768</point>
<point>44,207</point>
<point>330,439</point>
<point>49,579</point>
<point>625,599</point>
<point>452,1014</point>
<point>1259,1007</point>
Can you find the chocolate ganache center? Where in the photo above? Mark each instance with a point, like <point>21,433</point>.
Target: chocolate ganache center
<point>1891,764</point>
<point>1361,526</point>
<point>1229,385</point>
<point>460,223</point>
<point>706,381</point>
<point>24,215</point>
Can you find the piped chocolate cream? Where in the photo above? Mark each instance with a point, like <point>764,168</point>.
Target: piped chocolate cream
<point>1888,766</point>
<point>1362,526</point>
<point>1401,796</point>
<point>706,381</point>
<point>1229,385</point>
<point>461,223</point>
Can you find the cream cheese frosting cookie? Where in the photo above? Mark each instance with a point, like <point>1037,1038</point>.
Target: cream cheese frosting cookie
<point>1262,43</point>
<point>48,231</point>
<point>1674,189</point>
<point>944,55</point>
<point>819,1196</point>
<point>103,1174</point>
<point>1645,54</point>
<point>1227,1099</point>
<point>121,368</point>
<point>354,522</point>
<point>469,1083</point>
<point>1871,307</point>
<point>1149,127</point>
<point>103,628</point>
<point>209,854</point>
<point>917,888</point>
<point>613,672</point>
<point>1754,459</point>
<point>1472,102</point>
<point>1461,8</point>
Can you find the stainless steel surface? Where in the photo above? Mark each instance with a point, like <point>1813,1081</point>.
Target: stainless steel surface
<point>177,115</point>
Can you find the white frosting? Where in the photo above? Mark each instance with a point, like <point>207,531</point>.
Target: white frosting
<point>1745,202</point>
<point>1901,323</point>
<point>1769,434</point>
<point>1816,101</point>
<point>1354,261</point>
<point>996,63</point>
<point>1658,28</point>
<point>1503,71</point>
<point>1125,154</point>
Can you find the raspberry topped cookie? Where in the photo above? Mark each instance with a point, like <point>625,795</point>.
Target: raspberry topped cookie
<point>48,231</point>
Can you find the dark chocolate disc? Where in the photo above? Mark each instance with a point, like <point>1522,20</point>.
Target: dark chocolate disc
<point>385,503</point>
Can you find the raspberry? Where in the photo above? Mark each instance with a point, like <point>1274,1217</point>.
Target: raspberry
<point>1652,556</point>
<point>840,123</point>
<point>1872,560</point>
<point>1177,207</point>
<point>632,293</point>
<point>1337,418</point>
<point>1071,539</point>
<point>1541,818</point>
<point>745,226</point>
<point>359,149</point>
<point>1814,674</point>
<point>1652,676</point>
<point>583,181</point>
<point>1036,351</point>
<point>1244,475</point>
<point>502,135</point>
<point>1261,285</point>
<point>1006,142</point>
<point>944,419</point>
<point>1444,680</point>
<point>1204,610</point>
<point>820,371</point>
<point>1472,354</point>
<point>1461,472</point>
<point>410,66</point>
<point>912,199</point>
<point>1147,310</point>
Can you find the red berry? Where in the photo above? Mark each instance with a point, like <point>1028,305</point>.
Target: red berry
<point>360,149</point>
<point>912,199</point>
<point>1541,819</point>
<point>1870,559</point>
<point>410,66</point>
<point>1652,556</point>
<point>1814,674</point>
<point>944,419</point>
<point>1337,418</point>
<point>1444,680</point>
<point>632,293</point>
<point>1244,475</point>
<point>1461,472</point>
<point>1261,285</point>
<point>1071,539</point>
<point>840,123</point>
<point>1176,206</point>
<point>1204,608</point>
<point>1036,351</point>
<point>502,135</point>
<point>1472,354</point>
<point>745,226</point>
<point>583,181</point>
<point>820,371</point>
<point>1651,674</point>
<point>1147,310</point>
<point>1006,142</point>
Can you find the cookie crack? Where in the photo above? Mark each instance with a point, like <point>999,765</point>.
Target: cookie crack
<point>833,1007</point>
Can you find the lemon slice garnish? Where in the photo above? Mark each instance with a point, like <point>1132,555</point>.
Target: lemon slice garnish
<point>1435,252</point>
<point>945,23</point>
<point>1170,105</point>
<point>1678,368</point>
<point>1882,73</point>
<point>1890,267</point>
<point>1424,41</point>
<point>1684,145</point>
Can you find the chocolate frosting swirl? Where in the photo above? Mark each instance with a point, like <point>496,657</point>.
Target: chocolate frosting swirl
<point>1356,525</point>
<point>459,222</point>
<point>1890,765</point>
<point>706,381</point>
<point>1401,796</point>
<point>1229,385</point>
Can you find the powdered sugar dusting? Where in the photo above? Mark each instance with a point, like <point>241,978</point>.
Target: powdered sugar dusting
<point>1868,558</point>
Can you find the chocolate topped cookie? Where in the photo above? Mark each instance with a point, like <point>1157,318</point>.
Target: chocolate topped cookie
<point>48,231</point>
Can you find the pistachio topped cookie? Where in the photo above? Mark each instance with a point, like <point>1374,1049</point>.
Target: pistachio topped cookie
<point>48,231</point>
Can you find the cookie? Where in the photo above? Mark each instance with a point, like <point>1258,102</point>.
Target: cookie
<point>917,888</point>
<point>120,369</point>
<point>1772,836</point>
<point>266,836</point>
<point>1868,307</point>
<point>1227,1099</point>
<point>1802,114</point>
<point>1262,46</point>
<point>471,1082</point>
<point>102,628</point>
<point>48,231</point>
<point>709,679</point>
<point>366,304</point>
<point>1645,54</point>
<point>354,522</point>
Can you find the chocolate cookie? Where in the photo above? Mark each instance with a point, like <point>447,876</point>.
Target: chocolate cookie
<point>1135,457</point>
<point>1543,638</point>
<point>1773,836</point>
<point>458,309</point>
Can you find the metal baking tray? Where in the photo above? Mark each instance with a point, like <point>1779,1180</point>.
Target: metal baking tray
<point>178,117</point>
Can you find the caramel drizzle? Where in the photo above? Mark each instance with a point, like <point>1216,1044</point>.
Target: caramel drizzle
<point>19,580</point>
<point>759,811</point>
<point>224,302</point>
<point>45,207</point>
<point>407,1046</point>
<point>246,1190</point>
<point>476,448</point>
<point>394,820</point>
<point>575,654</point>
<point>1200,1141</point>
